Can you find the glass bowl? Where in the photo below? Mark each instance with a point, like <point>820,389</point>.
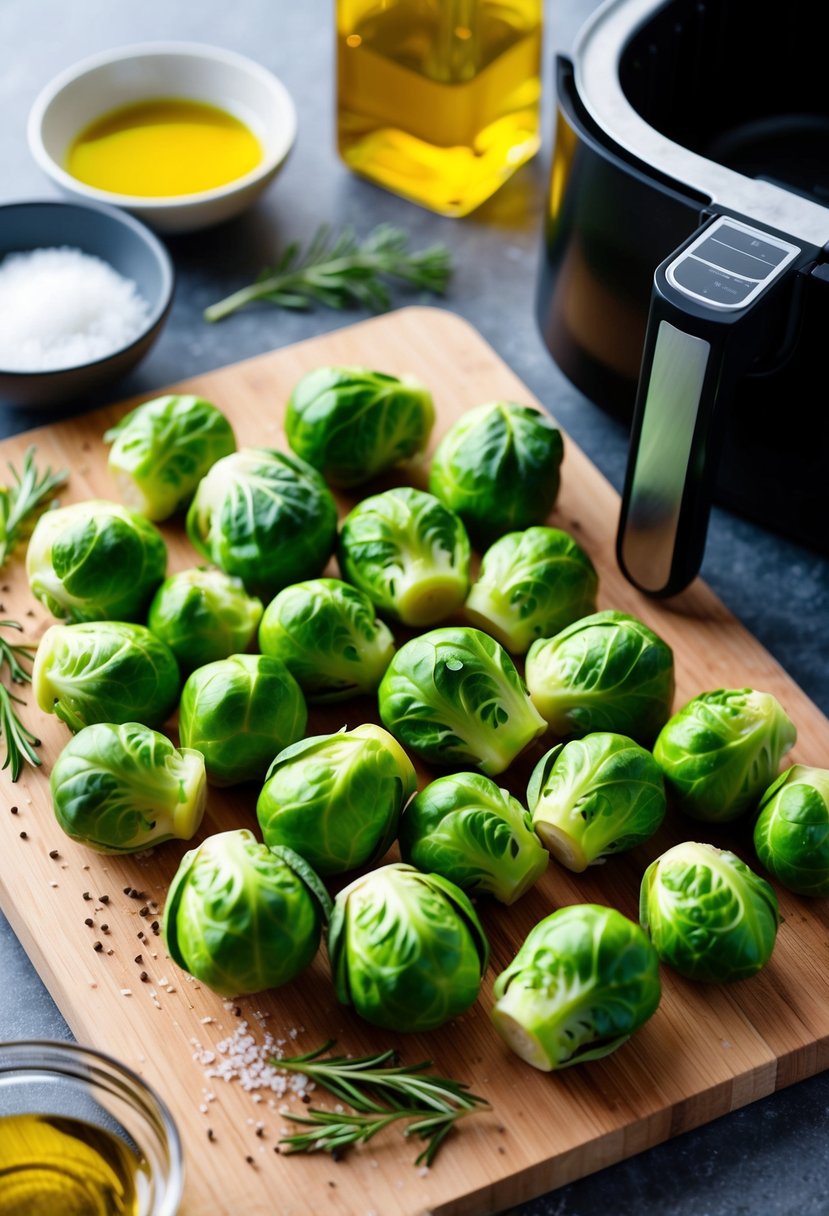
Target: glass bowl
<point>73,1087</point>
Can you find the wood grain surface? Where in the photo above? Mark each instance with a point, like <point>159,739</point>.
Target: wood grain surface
<point>706,1051</point>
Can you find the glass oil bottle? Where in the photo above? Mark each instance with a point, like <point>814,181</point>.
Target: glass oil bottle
<point>438,100</point>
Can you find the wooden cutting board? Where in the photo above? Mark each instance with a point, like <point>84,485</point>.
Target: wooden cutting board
<point>706,1051</point>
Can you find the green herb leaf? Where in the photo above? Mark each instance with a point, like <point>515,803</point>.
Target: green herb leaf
<point>29,492</point>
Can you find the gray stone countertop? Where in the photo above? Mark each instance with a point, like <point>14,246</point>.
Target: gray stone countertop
<point>771,1158</point>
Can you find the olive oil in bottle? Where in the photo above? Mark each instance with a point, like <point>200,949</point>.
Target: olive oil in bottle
<point>56,1166</point>
<point>438,100</point>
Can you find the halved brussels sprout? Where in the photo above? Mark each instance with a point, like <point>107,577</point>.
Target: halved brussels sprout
<point>473,833</point>
<point>708,914</point>
<point>791,835</point>
<point>720,751</point>
<point>241,917</point>
<point>327,634</point>
<point>107,671</point>
<point>498,466</point>
<point>162,449</point>
<point>122,788</point>
<point>239,712</point>
<point>204,615</point>
<point>605,672</point>
<point>95,561</point>
<point>267,518</point>
<point>407,949</point>
<point>454,697</point>
<point>352,423</point>
<point>585,979</point>
<point>408,553</point>
<point>530,585</point>
<point>337,798</point>
<point>595,796</point>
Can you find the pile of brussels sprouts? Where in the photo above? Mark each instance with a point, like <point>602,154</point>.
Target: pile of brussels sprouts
<point>473,627</point>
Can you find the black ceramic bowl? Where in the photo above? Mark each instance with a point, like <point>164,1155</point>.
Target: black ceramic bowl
<point>115,237</point>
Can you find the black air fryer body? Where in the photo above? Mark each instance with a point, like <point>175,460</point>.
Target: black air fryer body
<point>716,108</point>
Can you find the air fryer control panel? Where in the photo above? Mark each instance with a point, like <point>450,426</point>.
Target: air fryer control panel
<point>729,264</point>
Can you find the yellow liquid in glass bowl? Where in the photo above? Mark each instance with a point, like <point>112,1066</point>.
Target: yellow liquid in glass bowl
<point>163,148</point>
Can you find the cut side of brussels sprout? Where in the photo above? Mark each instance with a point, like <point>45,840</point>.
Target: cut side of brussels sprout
<point>162,449</point>
<point>327,634</point>
<point>594,797</point>
<point>454,698</point>
<point>122,788</point>
<point>352,423</point>
<point>721,750</point>
<point>791,835</point>
<point>408,553</point>
<point>204,615</point>
<point>95,561</point>
<point>584,980</point>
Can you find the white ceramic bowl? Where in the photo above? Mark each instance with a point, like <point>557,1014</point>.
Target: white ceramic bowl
<point>126,75</point>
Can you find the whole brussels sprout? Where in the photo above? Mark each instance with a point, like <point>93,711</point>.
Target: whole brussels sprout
<point>162,449</point>
<point>720,751</point>
<point>530,585</point>
<point>267,518</point>
<point>595,796</point>
<point>454,698</point>
<point>108,671</point>
<point>204,615</point>
<point>95,561</point>
<point>498,466</point>
<point>791,835</point>
<point>584,980</point>
<point>122,788</point>
<point>239,712</point>
<point>241,917</point>
<point>407,949</point>
<point>605,672</point>
<point>328,636</point>
<point>408,553</point>
<point>708,914</point>
<point>352,423</point>
<point>473,833</point>
<point>337,798</point>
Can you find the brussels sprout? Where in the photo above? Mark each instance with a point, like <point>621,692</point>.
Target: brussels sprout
<point>473,833</point>
<point>498,466</point>
<point>596,796</point>
<point>328,636</point>
<point>454,698</point>
<point>107,671</point>
<point>791,834</point>
<point>530,585</point>
<point>241,917</point>
<point>352,423</point>
<point>408,553</point>
<point>162,449</point>
<point>95,561</point>
<point>407,949</point>
<point>708,914</point>
<point>239,712</point>
<point>605,672</point>
<point>584,980</point>
<point>337,798</point>
<point>265,517</point>
<point>204,615</point>
<point>121,788</point>
<point>720,751</point>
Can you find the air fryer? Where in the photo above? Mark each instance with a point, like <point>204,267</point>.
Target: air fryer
<point>685,285</point>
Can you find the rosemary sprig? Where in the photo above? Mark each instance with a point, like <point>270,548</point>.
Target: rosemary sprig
<point>338,270</point>
<point>14,655</point>
<point>19,740</point>
<point>30,491</point>
<point>381,1092</point>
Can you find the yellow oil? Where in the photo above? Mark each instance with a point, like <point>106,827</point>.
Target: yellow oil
<point>438,100</point>
<point>56,1166</point>
<point>163,147</point>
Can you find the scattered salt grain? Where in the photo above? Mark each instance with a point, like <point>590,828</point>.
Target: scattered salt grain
<point>60,307</point>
